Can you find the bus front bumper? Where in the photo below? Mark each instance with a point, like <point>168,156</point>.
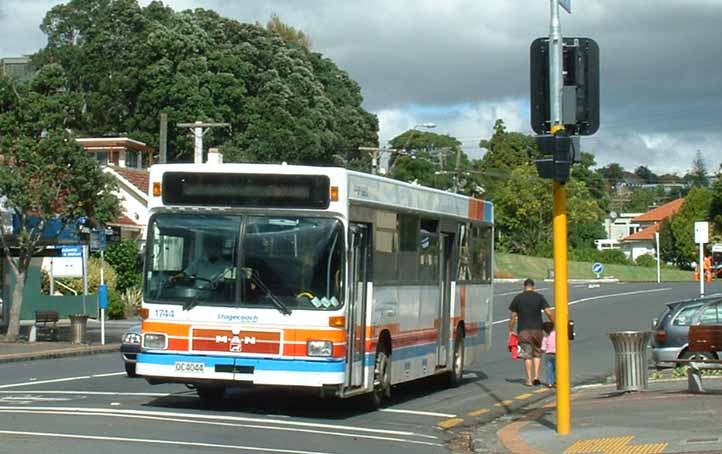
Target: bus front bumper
<point>185,368</point>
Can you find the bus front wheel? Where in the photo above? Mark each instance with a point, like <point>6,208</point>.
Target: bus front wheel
<point>456,375</point>
<point>382,380</point>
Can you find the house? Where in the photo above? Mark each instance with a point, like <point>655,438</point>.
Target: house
<point>617,227</point>
<point>127,160</point>
<point>644,240</point>
<point>19,68</point>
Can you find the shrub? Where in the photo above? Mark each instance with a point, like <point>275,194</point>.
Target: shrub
<point>613,256</point>
<point>646,260</point>
<point>124,256</point>
<point>132,299</point>
<point>116,307</point>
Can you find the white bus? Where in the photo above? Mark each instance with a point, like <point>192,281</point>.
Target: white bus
<point>311,277</point>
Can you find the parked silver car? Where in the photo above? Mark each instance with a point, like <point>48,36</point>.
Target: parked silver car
<point>669,342</point>
<point>129,349</point>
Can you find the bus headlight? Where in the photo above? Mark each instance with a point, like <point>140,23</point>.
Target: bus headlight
<point>155,341</point>
<point>319,348</point>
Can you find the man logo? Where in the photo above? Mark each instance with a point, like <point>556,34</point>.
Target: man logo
<point>236,342</point>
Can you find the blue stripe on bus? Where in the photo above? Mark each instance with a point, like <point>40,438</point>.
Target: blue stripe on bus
<point>278,364</point>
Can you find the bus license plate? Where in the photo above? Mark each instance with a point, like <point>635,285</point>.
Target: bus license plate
<point>184,366</point>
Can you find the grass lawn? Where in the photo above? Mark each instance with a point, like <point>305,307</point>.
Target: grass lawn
<point>521,266</point>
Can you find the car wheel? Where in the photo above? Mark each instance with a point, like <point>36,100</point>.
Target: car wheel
<point>456,375</point>
<point>696,355</point>
<point>130,370</point>
<point>210,392</point>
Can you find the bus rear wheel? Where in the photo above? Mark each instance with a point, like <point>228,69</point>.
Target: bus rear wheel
<point>382,381</point>
<point>210,392</point>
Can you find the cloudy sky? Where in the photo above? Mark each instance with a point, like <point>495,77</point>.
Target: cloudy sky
<point>463,63</point>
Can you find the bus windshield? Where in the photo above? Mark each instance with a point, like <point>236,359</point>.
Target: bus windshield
<point>249,261</point>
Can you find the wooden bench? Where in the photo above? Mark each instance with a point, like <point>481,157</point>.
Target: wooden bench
<point>702,339</point>
<point>46,322</point>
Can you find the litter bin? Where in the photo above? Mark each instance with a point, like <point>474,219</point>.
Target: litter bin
<point>78,328</point>
<point>550,273</point>
<point>630,359</point>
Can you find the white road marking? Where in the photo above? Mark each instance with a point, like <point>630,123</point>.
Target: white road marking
<point>91,393</point>
<point>416,412</point>
<point>519,291</point>
<point>224,424</point>
<point>167,414</point>
<point>59,380</point>
<point>600,297</point>
<point>29,398</point>
<point>156,442</point>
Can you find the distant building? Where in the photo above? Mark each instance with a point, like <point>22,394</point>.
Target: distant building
<point>19,68</point>
<point>644,240</point>
<point>620,226</point>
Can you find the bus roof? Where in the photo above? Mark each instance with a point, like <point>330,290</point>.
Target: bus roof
<point>357,187</point>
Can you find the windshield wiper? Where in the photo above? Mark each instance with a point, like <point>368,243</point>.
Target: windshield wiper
<point>252,274</point>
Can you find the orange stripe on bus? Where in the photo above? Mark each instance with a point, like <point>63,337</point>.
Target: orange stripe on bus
<point>303,335</point>
<point>172,329</point>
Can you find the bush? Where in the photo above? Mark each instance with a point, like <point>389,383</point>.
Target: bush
<point>614,256</point>
<point>646,260</point>
<point>124,256</point>
<point>132,299</point>
<point>116,307</point>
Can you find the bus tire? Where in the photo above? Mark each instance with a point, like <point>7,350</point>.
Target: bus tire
<point>210,392</point>
<point>456,374</point>
<point>382,381</point>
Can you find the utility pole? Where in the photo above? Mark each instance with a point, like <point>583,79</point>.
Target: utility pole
<point>163,142</point>
<point>199,129</point>
<point>375,155</point>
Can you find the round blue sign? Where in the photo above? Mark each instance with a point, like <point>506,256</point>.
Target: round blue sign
<point>597,268</point>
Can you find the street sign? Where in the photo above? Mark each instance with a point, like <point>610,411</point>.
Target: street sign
<point>71,251</point>
<point>103,296</point>
<point>701,232</point>
<point>567,5</point>
<point>598,269</point>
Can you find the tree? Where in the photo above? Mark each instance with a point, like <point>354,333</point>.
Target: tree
<point>523,211</point>
<point>593,180</point>
<point>641,200</point>
<point>613,173</point>
<point>131,63</point>
<point>645,174</point>
<point>46,178</point>
<point>506,151</point>
<point>696,207</point>
<point>716,206</point>
<point>698,175</point>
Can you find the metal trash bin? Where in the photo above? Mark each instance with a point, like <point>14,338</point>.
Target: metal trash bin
<point>78,328</point>
<point>550,273</point>
<point>630,359</point>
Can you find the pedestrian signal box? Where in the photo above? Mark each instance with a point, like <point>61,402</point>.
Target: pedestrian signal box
<point>580,96</point>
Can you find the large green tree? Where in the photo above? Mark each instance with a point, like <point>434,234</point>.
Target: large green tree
<point>698,174</point>
<point>613,173</point>
<point>46,178</point>
<point>696,207</point>
<point>594,181</point>
<point>130,63</point>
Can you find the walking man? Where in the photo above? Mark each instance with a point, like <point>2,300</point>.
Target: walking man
<point>526,309</point>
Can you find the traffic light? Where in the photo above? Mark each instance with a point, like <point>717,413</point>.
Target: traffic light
<point>562,151</point>
<point>580,96</point>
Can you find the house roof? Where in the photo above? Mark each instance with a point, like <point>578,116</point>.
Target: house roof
<point>661,212</point>
<point>124,220</point>
<point>644,234</point>
<point>137,177</point>
<point>104,143</point>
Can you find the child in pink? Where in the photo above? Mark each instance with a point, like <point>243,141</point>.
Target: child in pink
<point>549,347</point>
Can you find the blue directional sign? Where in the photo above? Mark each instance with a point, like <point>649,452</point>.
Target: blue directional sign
<point>71,251</point>
<point>597,268</point>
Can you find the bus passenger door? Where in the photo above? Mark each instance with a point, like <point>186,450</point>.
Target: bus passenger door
<point>356,308</point>
<point>446,243</point>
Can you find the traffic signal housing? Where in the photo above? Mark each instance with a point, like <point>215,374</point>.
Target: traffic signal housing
<point>580,96</point>
<point>560,151</point>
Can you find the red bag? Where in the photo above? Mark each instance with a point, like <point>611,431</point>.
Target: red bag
<point>514,345</point>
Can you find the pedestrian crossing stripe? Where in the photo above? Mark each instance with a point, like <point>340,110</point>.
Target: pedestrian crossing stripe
<point>614,445</point>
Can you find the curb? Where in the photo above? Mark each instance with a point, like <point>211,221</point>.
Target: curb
<point>60,353</point>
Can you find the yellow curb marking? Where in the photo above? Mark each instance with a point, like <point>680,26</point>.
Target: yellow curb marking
<point>543,390</point>
<point>479,412</point>
<point>504,403</point>
<point>614,445</point>
<point>449,423</point>
<point>524,396</point>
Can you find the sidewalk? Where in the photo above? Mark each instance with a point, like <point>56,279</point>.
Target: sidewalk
<point>664,419</point>
<point>26,351</point>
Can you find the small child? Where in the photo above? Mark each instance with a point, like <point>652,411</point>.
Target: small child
<point>549,347</point>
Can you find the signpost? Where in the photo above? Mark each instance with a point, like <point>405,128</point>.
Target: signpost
<point>98,243</point>
<point>598,269</point>
<point>701,236</point>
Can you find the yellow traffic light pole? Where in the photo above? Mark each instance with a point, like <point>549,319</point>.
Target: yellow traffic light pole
<point>561,310</point>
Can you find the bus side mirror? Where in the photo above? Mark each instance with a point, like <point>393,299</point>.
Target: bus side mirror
<point>570,331</point>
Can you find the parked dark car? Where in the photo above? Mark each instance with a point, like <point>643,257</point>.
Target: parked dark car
<point>129,348</point>
<point>670,340</point>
